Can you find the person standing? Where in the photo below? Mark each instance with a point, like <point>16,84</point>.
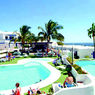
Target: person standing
<point>18,90</point>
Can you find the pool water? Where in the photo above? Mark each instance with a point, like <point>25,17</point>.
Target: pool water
<point>89,66</point>
<point>26,74</point>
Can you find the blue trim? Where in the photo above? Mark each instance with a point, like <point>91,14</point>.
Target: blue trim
<point>2,43</point>
<point>12,35</point>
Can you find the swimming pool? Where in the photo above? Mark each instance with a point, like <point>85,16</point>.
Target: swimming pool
<point>26,74</point>
<point>89,66</point>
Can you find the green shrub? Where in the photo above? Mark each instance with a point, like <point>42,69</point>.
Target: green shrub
<point>51,91</point>
<point>68,68</point>
<point>79,69</point>
<point>69,60</point>
<point>26,45</point>
<point>60,43</point>
<point>60,69</point>
<point>15,47</point>
<point>87,56</point>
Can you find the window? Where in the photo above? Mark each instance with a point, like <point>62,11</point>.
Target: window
<point>10,37</point>
<point>6,37</point>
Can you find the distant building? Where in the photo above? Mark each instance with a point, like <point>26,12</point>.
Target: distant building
<point>80,51</point>
<point>5,38</point>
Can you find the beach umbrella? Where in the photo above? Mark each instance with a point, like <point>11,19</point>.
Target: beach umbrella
<point>54,44</point>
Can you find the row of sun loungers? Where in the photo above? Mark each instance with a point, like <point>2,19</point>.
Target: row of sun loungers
<point>6,59</point>
<point>10,58</point>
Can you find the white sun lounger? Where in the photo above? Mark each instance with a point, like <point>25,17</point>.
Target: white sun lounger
<point>3,59</point>
<point>56,87</point>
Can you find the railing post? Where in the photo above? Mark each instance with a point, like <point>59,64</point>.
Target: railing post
<point>72,55</point>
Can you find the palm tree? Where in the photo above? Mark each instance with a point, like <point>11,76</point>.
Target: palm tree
<point>32,38</point>
<point>59,37</point>
<point>23,35</point>
<point>50,31</point>
<point>91,33</point>
<point>41,38</point>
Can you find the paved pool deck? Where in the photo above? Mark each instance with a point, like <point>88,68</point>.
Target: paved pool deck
<point>55,74</point>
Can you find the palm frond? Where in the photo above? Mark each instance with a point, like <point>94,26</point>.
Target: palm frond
<point>60,37</point>
<point>15,32</point>
<point>41,28</point>
<point>41,33</point>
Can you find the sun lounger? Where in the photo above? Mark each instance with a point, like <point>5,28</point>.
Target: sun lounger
<point>56,87</point>
<point>0,60</point>
<point>25,55</point>
<point>17,56</point>
<point>13,57</point>
<point>3,60</point>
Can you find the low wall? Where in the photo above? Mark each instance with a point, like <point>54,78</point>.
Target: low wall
<point>85,52</point>
<point>85,90</point>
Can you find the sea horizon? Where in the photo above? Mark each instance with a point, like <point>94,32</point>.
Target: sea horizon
<point>80,43</point>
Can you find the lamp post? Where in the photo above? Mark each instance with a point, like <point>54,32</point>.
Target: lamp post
<point>72,55</point>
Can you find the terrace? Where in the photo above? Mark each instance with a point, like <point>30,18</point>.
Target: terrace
<point>86,84</point>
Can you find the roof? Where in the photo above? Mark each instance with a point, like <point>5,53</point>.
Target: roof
<point>2,32</point>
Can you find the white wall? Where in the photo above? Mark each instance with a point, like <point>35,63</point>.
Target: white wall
<point>87,90</point>
<point>85,52</point>
<point>1,36</point>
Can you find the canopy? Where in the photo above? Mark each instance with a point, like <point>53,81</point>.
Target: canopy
<point>54,44</point>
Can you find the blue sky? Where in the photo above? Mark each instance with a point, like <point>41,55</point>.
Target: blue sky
<point>75,15</point>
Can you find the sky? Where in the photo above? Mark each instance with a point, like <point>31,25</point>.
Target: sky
<point>76,16</point>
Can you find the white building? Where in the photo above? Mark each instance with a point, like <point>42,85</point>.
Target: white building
<point>81,51</point>
<point>5,38</point>
<point>84,51</point>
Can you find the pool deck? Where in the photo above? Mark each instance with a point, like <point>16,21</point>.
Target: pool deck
<point>55,74</point>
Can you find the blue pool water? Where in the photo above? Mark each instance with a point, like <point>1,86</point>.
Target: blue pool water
<point>26,74</point>
<point>89,66</point>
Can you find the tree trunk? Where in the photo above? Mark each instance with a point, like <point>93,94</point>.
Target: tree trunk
<point>94,44</point>
<point>22,46</point>
<point>47,46</point>
<point>94,47</point>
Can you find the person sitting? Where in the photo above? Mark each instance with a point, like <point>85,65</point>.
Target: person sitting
<point>36,91</point>
<point>9,56</point>
<point>39,92</point>
<point>30,91</point>
<point>55,62</point>
<point>59,85</point>
<point>69,81</point>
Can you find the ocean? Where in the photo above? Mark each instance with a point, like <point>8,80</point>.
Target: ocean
<point>83,44</point>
